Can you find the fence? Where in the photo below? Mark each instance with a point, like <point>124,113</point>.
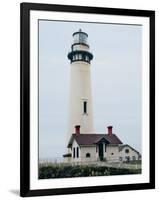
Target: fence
<point>115,163</point>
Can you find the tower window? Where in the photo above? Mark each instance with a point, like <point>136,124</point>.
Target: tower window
<point>80,57</point>
<point>85,107</point>
<point>87,58</point>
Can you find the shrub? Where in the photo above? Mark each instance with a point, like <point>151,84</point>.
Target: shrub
<point>62,171</point>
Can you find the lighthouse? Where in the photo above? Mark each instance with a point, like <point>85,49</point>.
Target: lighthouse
<point>80,108</point>
<point>84,145</point>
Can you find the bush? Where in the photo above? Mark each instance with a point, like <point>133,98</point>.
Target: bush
<point>47,172</point>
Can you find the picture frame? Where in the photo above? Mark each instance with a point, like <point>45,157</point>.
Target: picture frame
<point>31,13</point>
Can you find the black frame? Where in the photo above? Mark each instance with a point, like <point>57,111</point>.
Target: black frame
<point>25,9</point>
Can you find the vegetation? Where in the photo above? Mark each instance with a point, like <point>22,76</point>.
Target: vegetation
<point>134,162</point>
<point>63,171</point>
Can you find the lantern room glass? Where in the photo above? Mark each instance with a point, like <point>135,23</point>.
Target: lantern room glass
<point>80,37</point>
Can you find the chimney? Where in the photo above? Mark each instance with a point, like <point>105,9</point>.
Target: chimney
<point>77,129</point>
<point>110,130</point>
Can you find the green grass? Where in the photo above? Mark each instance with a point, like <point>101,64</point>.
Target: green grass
<point>51,171</point>
<point>134,162</point>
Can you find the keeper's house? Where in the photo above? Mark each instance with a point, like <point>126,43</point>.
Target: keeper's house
<point>99,147</point>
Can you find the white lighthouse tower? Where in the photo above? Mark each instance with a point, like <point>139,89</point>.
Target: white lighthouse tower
<point>80,110</point>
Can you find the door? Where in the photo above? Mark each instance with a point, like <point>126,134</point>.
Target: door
<point>100,146</point>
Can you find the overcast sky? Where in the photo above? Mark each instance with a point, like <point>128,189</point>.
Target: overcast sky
<point>116,82</point>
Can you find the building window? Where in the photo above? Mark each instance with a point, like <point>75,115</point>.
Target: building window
<point>127,158</point>
<point>88,155</point>
<point>105,147</point>
<point>120,159</point>
<point>77,152</point>
<point>126,150</point>
<point>74,152</point>
<point>133,158</point>
<point>85,107</point>
<point>96,149</point>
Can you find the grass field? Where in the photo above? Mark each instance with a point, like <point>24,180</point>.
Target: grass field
<point>63,171</point>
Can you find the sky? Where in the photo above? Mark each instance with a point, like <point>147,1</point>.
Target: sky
<point>115,79</point>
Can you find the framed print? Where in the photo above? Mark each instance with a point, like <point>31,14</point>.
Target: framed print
<point>87,99</point>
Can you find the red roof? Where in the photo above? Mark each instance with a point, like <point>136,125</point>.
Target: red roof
<point>91,139</point>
